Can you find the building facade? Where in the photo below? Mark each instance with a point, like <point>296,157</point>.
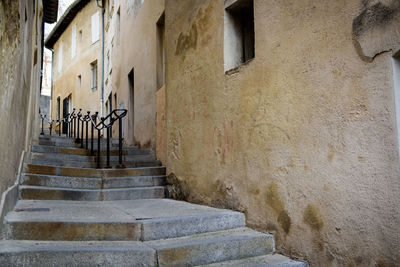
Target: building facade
<point>76,45</point>
<point>131,80</point>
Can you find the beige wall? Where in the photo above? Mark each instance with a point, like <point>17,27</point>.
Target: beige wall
<point>20,57</point>
<point>302,138</point>
<point>134,47</point>
<point>66,81</point>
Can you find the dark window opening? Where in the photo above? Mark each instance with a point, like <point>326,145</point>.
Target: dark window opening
<point>93,71</point>
<point>160,52</point>
<point>238,33</point>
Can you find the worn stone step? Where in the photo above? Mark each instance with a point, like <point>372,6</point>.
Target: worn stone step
<point>212,247</point>
<point>55,193</point>
<point>75,143</point>
<point>144,220</point>
<point>90,172</point>
<point>75,253</point>
<point>270,260</point>
<point>63,138</point>
<point>83,164</point>
<point>81,151</point>
<point>61,181</point>
<point>59,157</point>
<point>91,183</point>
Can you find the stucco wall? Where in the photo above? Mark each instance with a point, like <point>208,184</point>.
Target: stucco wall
<point>20,56</point>
<point>135,48</point>
<point>66,81</point>
<point>302,138</point>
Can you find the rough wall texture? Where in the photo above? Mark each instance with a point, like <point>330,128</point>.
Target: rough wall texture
<point>161,149</point>
<point>16,20</point>
<point>302,138</point>
<point>376,28</point>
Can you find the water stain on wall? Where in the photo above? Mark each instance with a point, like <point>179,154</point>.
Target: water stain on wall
<point>312,217</point>
<point>199,28</point>
<point>275,202</point>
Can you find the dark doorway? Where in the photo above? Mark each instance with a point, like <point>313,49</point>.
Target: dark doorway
<point>65,114</point>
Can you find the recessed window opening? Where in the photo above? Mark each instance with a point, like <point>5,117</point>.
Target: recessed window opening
<point>238,33</point>
<point>160,51</point>
<point>118,25</point>
<point>79,81</point>
<point>93,71</point>
<point>396,81</point>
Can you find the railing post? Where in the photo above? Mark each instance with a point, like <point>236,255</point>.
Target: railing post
<point>98,149</point>
<point>120,165</point>
<point>87,125</point>
<point>51,126</point>
<point>77,122</point>
<point>75,127</point>
<point>82,135</point>
<point>59,127</point>
<point>42,133</point>
<point>108,147</point>
<point>91,141</point>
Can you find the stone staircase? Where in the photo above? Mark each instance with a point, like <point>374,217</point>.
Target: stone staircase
<point>71,214</point>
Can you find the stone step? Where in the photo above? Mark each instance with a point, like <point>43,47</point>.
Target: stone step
<point>55,193</point>
<point>103,145</point>
<point>144,220</point>
<point>75,253</point>
<point>96,173</point>
<point>212,247</point>
<point>82,164</point>
<point>91,183</point>
<point>83,158</point>
<point>269,260</point>
<point>85,152</point>
<point>56,138</point>
<point>76,143</point>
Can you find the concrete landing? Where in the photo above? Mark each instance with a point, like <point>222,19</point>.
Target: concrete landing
<point>78,253</point>
<point>269,260</point>
<point>115,220</point>
<point>212,247</point>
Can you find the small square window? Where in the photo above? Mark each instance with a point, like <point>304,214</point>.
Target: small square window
<point>79,81</point>
<point>238,33</point>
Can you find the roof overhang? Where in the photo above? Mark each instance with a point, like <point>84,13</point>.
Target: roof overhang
<point>50,10</point>
<point>64,22</point>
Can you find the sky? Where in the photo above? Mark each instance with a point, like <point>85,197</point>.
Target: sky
<point>46,82</point>
<point>62,6</point>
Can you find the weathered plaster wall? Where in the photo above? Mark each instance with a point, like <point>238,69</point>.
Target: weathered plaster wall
<point>161,141</point>
<point>66,81</point>
<point>134,47</point>
<point>302,138</point>
<point>376,28</point>
<point>19,75</point>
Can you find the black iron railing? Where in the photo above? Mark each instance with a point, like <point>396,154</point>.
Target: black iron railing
<point>76,125</point>
<point>43,117</point>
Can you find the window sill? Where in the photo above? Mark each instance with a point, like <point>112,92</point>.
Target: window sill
<point>237,69</point>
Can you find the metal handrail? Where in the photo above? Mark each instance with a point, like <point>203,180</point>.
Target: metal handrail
<point>50,122</point>
<point>75,125</point>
